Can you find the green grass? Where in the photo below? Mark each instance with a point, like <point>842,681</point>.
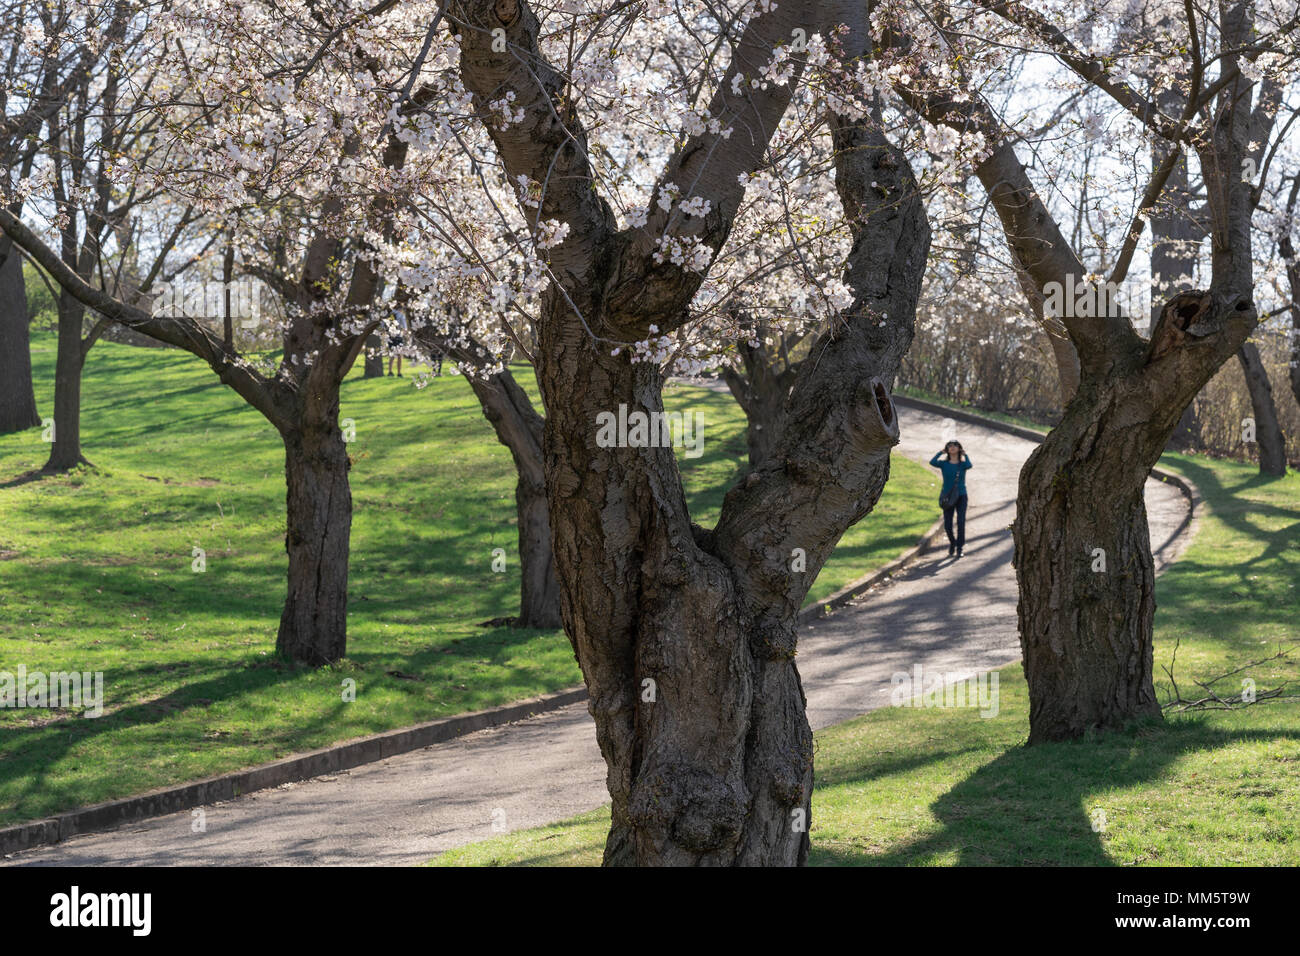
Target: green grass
<point>911,786</point>
<point>96,574</point>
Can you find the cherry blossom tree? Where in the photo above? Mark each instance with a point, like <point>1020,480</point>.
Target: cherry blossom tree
<point>1087,633</point>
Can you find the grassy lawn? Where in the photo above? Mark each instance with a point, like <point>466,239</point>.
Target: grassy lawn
<point>96,574</point>
<point>937,787</point>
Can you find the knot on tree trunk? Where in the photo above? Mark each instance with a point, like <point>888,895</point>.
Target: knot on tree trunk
<point>696,809</point>
<point>507,11</point>
<point>773,641</point>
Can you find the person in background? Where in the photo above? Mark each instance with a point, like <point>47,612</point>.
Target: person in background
<point>954,463</point>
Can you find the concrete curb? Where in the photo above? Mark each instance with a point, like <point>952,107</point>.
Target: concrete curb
<point>341,756</point>
<point>854,588</point>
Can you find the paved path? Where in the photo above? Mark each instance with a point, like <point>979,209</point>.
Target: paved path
<point>952,616</point>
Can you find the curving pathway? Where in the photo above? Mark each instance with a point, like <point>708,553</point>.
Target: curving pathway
<point>956,616</point>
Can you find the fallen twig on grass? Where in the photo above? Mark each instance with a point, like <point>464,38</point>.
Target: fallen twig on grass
<point>1212,700</point>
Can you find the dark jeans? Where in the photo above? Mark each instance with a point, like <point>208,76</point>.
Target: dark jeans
<point>960,509</point>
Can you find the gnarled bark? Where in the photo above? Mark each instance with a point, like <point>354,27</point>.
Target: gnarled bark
<point>685,636</point>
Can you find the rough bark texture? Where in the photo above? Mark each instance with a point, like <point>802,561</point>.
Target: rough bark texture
<point>17,398</point>
<point>313,625</point>
<point>1087,655</point>
<point>1086,634</point>
<point>686,636</point>
<point>1268,428</point>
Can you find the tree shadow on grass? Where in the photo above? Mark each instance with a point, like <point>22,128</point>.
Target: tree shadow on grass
<point>1236,512</point>
<point>1029,806</point>
<point>37,752</point>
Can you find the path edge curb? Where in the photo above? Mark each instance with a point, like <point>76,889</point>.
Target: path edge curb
<point>865,583</point>
<point>313,763</point>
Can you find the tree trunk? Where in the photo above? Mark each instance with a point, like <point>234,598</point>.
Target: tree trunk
<point>17,398</point>
<point>1085,633</point>
<point>1295,343</point>
<point>1268,430</point>
<point>539,591</point>
<point>65,452</point>
<point>1286,247</point>
<point>313,626</point>
<point>374,364</point>
<point>761,393</point>
<point>698,707</point>
<point>687,637</point>
<point>518,426</point>
<point>228,318</point>
<point>1187,433</point>
<point>1082,551</point>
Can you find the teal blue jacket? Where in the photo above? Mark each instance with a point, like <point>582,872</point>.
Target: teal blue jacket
<point>953,473</point>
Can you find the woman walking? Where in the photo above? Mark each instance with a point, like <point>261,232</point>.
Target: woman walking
<point>954,463</point>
